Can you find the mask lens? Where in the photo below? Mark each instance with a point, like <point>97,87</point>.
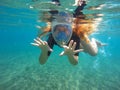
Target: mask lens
<point>62,33</point>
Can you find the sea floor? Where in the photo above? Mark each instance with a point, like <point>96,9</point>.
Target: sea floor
<point>22,71</point>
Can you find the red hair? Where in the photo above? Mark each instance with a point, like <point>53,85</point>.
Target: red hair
<point>83,27</point>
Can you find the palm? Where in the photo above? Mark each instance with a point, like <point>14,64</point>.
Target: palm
<point>70,49</point>
<point>42,44</point>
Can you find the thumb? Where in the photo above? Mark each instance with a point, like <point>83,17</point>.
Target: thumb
<point>50,50</point>
<point>62,53</point>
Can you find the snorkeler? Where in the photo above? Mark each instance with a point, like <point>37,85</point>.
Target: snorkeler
<point>71,46</point>
<point>61,35</point>
<point>78,39</point>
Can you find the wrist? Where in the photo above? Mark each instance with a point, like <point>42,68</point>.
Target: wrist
<point>69,54</point>
<point>44,50</point>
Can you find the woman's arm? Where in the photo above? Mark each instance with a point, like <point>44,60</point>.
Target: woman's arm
<point>44,49</point>
<point>91,46</point>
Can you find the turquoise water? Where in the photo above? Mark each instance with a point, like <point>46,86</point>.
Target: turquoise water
<point>19,66</point>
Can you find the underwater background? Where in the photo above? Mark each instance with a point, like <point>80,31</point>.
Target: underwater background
<point>19,65</point>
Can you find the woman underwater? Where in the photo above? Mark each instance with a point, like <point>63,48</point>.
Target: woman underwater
<point>71,34</point>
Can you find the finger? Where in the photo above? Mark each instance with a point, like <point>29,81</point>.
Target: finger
<point>40,40</point>
<point>104,44</point>
<point>62,53</point>
<point>70,44</point>
<point>79,50</point>
<point>50,50</point>
<point>39,27</point>
<point>45,43</point>
<point>48,46</point>
<point>34,44</point>
<point>36,41</point>
<point>64,46</point>
<point>74,45</point>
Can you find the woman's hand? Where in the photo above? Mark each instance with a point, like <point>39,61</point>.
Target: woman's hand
<point>70,49</point>
<point>42,44</point>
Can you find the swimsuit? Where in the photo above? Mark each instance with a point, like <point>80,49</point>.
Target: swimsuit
<point>51,42</point>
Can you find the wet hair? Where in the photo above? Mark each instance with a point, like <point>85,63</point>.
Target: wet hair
<point>83,27</point>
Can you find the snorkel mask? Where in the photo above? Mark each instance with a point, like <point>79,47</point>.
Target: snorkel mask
<point>62,29</point>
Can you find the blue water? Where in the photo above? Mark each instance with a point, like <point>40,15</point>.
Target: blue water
<point>19,65</point>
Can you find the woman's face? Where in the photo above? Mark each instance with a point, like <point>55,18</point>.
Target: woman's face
<point>60,29</point>
<point>62,33</point>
